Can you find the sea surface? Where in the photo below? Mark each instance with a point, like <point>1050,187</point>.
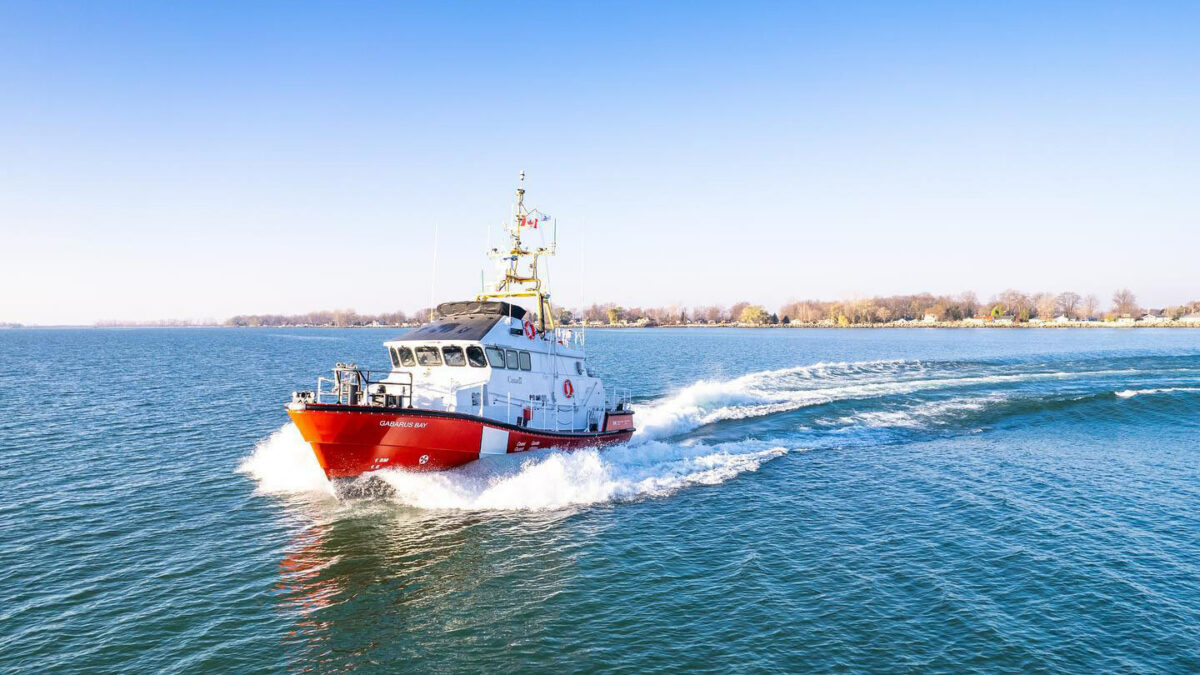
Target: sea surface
<point>795,500</point>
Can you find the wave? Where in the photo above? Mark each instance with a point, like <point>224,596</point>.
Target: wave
<point>284,463</point>
<point>553,479</point>
<point>750,395</point>
<point>541,480</point>
<point>775,391</point>
<point>920,416</point>
<point>1130,393</point>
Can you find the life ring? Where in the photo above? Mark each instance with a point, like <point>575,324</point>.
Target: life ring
<point>530,332</point>
<point>568,389</point>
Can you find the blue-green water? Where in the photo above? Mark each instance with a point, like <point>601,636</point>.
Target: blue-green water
<point>913,500</point>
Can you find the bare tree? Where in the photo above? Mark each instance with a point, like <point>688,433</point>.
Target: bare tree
<point>1016,303</point>
<point>968,303</point>
<point>1091,305</point>
<point>1124,302</point>
<point>1068,302</point>
<point>1045,303</point>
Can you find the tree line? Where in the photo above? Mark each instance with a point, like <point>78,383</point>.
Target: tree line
<point>336,317</point>
<point>1014,304</point>
<point>1017,305</point>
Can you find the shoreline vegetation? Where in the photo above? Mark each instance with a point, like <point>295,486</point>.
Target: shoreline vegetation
<point>1010,309</point>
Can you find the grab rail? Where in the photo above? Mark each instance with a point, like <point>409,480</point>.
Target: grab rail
<point>351,385</point>
<point>619,398</point>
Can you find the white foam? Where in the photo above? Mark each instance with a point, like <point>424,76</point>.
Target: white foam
<point>1130,393</point>
<point>750,395</point>
<point>284,463</point>
<point>774,391</point>
<point>918,416</point>
<point>554,479</point>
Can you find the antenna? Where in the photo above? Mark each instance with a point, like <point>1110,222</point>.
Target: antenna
<point>583,283</point>
<point>521,261</point>
<point>433,279</point>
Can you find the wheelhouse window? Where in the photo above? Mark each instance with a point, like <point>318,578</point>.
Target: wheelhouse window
<point>495,357</point>
<point>406,356</point>
<point>526,362</point>
<point>475,357</point>
<point>395,359</point>
<point>579,367</point>
<point>510,358</point>
<point>454,356</point>
<point>428,356</point>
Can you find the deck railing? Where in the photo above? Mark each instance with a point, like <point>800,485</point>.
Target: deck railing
<point>351,385</point>
<point>542,414</point>
<point>618,399</point>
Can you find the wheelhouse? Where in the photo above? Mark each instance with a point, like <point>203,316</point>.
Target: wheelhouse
<point>479,357</point>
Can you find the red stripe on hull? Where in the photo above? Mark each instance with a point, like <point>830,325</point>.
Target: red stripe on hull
<point>349,443</point>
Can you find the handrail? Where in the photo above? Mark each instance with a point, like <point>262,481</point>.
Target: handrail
<point>619,398</point>
<point>351,385</point>
<point>545,409</point>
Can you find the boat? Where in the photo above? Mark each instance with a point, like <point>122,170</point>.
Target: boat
<point>491,376</point>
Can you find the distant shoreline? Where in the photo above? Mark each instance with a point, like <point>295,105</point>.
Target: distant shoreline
<point>953,325</point>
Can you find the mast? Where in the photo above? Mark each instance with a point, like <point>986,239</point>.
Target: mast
<point>519,276</point>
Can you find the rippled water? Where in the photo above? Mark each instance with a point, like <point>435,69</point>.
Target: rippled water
<point>810,500</point>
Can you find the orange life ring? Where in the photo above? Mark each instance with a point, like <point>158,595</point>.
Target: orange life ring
<point>529,329</point>
<point>568,388</point>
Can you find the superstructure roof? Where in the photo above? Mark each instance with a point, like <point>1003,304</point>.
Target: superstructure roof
<point>464,321</point>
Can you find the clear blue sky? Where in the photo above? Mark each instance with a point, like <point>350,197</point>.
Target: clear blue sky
<point>173,159</point>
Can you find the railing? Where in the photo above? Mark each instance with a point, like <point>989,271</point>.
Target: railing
<point>556,416</point>
<point>568,337</point>
<point>542,414</point>
<point>351,385</point>
<point>618,399</point>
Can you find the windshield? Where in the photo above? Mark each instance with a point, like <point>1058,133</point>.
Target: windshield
<point>428,356</point>
<point>495,357</point>
<point>454,356</point>
<point>475,357</point>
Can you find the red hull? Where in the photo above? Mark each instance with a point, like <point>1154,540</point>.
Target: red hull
<point>349,441</point>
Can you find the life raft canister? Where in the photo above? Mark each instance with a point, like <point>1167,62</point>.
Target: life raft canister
<point>529,330</point>
<point>568,389</point>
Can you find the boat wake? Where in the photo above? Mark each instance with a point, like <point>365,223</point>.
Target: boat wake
<point>776,391</point>
<point>283,463</point>
<point>558,479</point>
<point>1130,393</point>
